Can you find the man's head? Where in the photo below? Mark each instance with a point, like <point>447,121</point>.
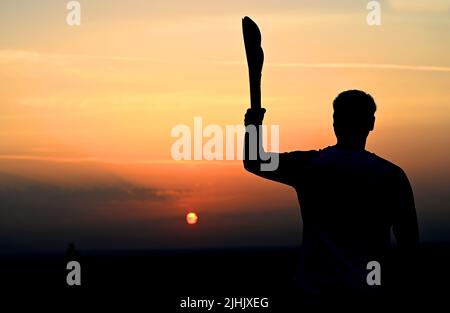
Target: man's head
<point>354,117</point>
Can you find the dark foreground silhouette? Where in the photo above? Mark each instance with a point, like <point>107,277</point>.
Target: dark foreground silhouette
<point>350,200</point>
<point>157,280</point>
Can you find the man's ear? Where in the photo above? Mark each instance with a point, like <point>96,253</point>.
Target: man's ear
<point>372,123</point>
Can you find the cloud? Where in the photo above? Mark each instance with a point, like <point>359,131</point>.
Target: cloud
<point>24,157</point>
<point>9,55</point>
<point>369,66</point>
<point>37,213</point>
<point>17,189</point>
<point>35,194</point>
<point>420,5</point>
<point>372,66</point>
<point>25,199</point>
<point>33,56</point>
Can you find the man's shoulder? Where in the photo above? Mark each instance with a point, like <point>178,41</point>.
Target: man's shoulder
<point>300,154</point>
<point>308,153</point>
<point>331,153</point>
<point>386,165</point>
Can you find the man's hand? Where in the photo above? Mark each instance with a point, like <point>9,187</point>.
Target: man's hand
<point>254,116</point>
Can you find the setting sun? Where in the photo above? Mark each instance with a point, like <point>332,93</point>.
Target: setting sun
<point>191,218</point>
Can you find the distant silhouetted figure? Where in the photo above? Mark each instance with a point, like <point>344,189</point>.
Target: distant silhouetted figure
<point>350,199</point>
<point>72,254</point>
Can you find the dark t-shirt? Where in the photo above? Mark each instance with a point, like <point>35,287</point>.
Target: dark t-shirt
<point>349,200</point>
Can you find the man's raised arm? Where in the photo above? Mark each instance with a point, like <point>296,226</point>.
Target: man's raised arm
<point>274,166</point>
<point>270,165</point>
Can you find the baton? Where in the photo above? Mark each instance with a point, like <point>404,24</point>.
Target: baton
<point>255,59</point>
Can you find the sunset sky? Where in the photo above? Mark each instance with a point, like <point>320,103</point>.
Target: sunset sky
<point>86,114</point>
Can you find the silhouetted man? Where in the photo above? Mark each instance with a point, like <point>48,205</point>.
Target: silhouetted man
<point>350,199</point>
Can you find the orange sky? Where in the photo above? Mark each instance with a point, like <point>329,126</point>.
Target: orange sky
<point>79,102</point>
